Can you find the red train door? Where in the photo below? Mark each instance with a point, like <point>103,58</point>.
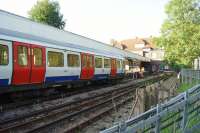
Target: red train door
<point>90,66</point>
<point>84,69</point>
<point>113,68</point>
<point>22,63</point>
<point>87,66</point>
<point>38,64</point>
<point>29,64</point>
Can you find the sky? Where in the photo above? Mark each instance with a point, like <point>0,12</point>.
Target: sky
<point>103,20</point>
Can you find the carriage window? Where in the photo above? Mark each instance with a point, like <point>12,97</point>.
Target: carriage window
<point>123,64</point>
<point>84,61</point>
<point>113,63</point>
<point>118,64</point>
<point>73,60</point>
<point>37,56</point>
<point>90,61</point>
<point>107,63</point>
<point>3,55</point>
<point>22,55</point>
<point>98,62</point>
<point>55,59</point>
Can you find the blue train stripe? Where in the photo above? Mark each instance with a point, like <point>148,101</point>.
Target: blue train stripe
<point>61,79</point>
<point>120,74</point>
<point>4,82</point>
<point>100,76</point>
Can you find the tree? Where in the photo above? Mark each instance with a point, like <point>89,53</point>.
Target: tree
<point>180,32</point>
<point>47,12</point>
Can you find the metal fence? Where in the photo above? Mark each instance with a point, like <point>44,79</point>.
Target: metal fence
<point>180,114</point>
<point>190,76</point>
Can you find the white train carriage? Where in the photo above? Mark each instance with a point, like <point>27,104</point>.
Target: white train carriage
<point>6,62</point>
<point>36,54</point>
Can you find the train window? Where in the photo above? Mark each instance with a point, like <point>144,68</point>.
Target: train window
<point>37,56</point>
<point>55,59</point>
<point>118,64</point>
<point>22,55</point>
<point>73,60</point>
<point>124,64</point>
<point>121,64</point>
<point>113,61</point>
<point>90,61</point>
<point>84,61</point>
<point>3,55</point>
<point>98,62</point>
<point>107,63</point>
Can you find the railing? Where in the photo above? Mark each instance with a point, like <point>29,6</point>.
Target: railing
<point>180,114</point>
<point>190,76</point>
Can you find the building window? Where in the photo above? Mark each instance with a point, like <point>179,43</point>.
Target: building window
<point>73,60</point>
<point>98,62</point>
<point>22,55</point>
<point>55,59</point>
<point>37,56</point>
<point>3,55</point>
<point>90,61</point>
<point>107,63</point>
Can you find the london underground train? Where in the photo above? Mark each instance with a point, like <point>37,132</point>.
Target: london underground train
<point>34,55</point>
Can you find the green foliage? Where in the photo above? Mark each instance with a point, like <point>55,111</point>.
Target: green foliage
<point>184,87</point>
<point>180,32</point>
<point>47,12</point>
<point>187,85</point>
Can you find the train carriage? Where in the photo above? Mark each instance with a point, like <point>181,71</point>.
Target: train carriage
<point>35,55</point>
<point>6,64</point>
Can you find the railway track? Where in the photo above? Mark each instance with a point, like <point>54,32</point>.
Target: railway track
<point>64,93</point>
<point>74,113</point>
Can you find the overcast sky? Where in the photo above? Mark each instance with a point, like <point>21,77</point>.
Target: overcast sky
<point>104,19</point>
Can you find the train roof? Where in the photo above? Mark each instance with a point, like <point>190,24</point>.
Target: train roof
<point>18,27</point>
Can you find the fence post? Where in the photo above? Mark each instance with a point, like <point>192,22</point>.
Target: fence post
<point>197,76</point>
<point>184,120</point>
<point>157,127</point>
<point>122,127</point>
<point>181,76</point>
<point>190,76</point>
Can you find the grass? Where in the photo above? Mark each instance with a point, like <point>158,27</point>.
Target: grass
<point>185,86</point>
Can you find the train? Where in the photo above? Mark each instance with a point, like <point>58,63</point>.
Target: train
<point>35,56</point>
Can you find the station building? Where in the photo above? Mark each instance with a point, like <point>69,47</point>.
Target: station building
<point>146,48</point>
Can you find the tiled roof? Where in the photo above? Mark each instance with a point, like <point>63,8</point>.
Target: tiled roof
<point>130,43</point>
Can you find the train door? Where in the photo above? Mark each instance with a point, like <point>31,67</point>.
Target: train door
<point>87,66</point>
<point>84,68</point>
<point>38,64</point>
<point>22,63</point>
<point>5,62</point>
<point>29,63</point>
<point>113,68</point>
<point>90,66</point>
